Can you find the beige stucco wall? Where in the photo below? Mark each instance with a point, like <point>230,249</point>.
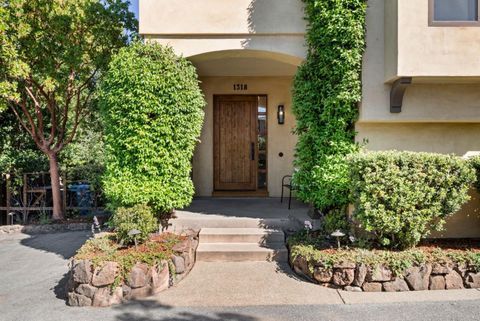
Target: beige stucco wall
<point>423,50</point>
<point>200,26</point>
<point>280,137</point>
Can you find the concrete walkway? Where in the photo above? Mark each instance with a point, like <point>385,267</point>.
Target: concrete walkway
<point>32,279</point>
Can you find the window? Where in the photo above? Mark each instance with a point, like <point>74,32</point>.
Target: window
<point>454,12</point>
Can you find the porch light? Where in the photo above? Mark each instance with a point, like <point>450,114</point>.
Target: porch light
<point>281,114</point>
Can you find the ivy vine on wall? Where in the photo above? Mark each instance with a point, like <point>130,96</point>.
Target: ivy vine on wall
<point>327,90</point>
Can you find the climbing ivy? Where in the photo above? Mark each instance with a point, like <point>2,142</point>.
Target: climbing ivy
<point>327,89</point>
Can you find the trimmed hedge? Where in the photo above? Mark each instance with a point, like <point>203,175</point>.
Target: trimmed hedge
<point>152,108</point>
<point>327,88</point>
<point>400,196</point>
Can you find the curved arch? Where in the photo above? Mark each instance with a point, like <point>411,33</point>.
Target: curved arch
<point>247,53</point>
<point>245,62</point>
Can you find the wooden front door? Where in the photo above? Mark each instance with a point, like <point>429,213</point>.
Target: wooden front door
<point>235,142</point>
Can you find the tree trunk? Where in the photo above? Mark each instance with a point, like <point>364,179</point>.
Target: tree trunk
<point>56,192</point>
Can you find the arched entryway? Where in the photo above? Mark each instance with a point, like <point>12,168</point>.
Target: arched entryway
<point>244,150</point>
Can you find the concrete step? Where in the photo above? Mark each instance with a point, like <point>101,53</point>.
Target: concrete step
<point>231,222</point>
<point>241,235</point>
<point>238,252</point>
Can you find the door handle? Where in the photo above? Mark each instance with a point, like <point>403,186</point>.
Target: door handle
<point>252,151</point>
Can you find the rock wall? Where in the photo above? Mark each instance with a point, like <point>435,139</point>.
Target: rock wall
<point>99,286</point>
<point>43,229</point>
<point>362,278</point>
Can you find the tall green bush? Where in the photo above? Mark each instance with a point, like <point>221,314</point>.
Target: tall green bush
<point>152,108</point>
<point>327,88</point>
<point>401,196</point>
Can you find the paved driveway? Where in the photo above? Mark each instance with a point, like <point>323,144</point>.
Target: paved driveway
<point>32,271</point>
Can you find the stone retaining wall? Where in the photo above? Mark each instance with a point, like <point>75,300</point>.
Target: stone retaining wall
<point>44,229</point>
<point>89,286</point>
<point>362,278</point>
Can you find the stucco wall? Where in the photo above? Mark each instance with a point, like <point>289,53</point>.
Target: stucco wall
<point>196,27</point>
<point>280,137</point>
<point>424,50</point>
<point>427,100</point>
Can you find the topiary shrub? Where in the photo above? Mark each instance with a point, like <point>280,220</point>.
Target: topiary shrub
<point>152,109</point>
<point>401,196</point>
<point>327,89</point>
<point>139,217</point>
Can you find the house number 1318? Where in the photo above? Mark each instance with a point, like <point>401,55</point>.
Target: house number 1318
<point>240,87</point>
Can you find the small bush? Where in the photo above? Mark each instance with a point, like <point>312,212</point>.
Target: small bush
<point>139,217</point>
<point>401,196</point>
<point>475,161</point>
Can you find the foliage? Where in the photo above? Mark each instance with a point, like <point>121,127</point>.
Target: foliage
<point>138,217</point>
<point>398,261</point>
<point>52,55</point>
<point>84,159</point>
<point>336,220</point>
<point>327,88</point>
<point>153,111</point>
<point>105,249</point>
<point>475,161</point>
<point>401,196</point>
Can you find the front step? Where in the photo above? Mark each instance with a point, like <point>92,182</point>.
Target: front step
<point>237,252</point>
<point>241,235</point>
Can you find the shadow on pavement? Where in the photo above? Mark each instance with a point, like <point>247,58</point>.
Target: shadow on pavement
<point>151,310</point>
<point>63,244</point>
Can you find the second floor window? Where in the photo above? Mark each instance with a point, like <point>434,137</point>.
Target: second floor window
<point>454,12</point>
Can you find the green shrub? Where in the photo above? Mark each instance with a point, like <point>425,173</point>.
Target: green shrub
<point>152,108</point>
<point>138,217</point>
<point>327,89</point>
<point>400,196</point>
<point>475,161</point>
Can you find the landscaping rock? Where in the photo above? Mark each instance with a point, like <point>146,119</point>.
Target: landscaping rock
<point>353,289</point>
<point>343,277</point>
<point>472,280</point>
<point>82,271</point>
<point>438,268</point>
<point>397,285</point>
<point>126,290</point>
<point>372,287</point>
<point>117,296</point>
<point>86,290</point>
<point>437,282</point>
<point>78,300</point>
<point>160,279</point>
<point>360,275</point>
<point>139,293</point>
<point>418,277</point>
<point>182,246</point>
<point>379,274</point>
<point>105,275</point>
<point>453,280</point>
<point>102,297</point>
<point>300,265</point>
<point>138,276</point>
<point>462,269</point>
<point>179,263</point>
<point>323,275</point>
